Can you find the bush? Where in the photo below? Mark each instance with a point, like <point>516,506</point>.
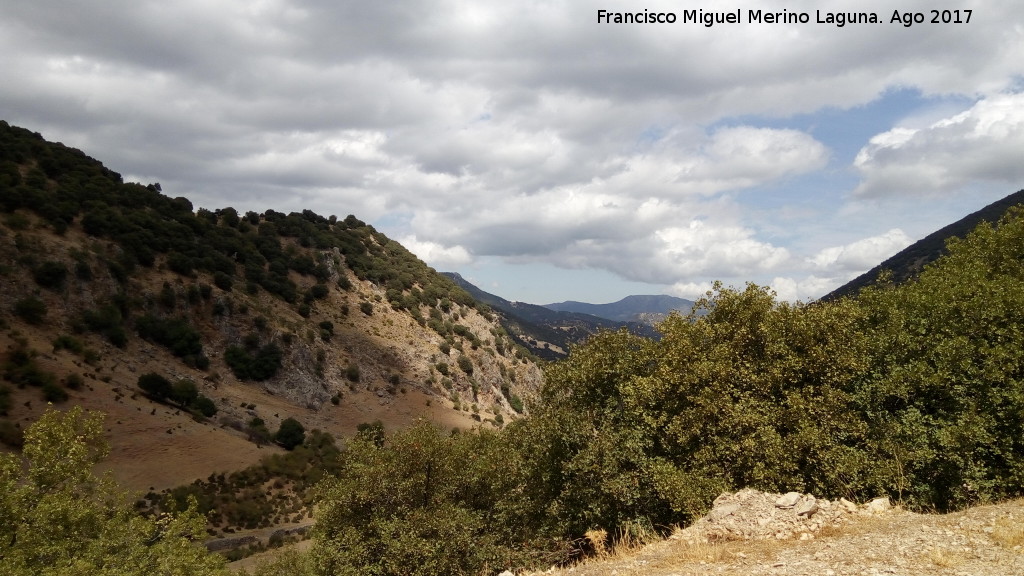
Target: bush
<point>69,521</point>
<point>222,281</point>
<point>205,406</point>
<point>74,381</point>
<point>54,393</point>
<point>442,510</point>
<point>155,385</point>
<point>51,274</point>
<point>366,308</point>
<point>184,392</point>
<point>465,364</point>
<point>326,330</point>
<point>318,291</point>
<point>262,365</point>
<point>5,399</point>
<point>352,373</point>
<point>290,434</point>
<point>30,309</point>
<point>176,334</point>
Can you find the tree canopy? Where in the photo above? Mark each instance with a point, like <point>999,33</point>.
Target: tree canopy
<point>57,518</point>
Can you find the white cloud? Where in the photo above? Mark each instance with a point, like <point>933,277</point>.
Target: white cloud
<point>803,289</point>
<point>690,290</point>
<point>440,257</point>
<point>982,143</point>
<point>861,255</point>
<point>523,131</point>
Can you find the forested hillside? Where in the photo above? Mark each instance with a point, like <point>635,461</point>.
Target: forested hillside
<point>115,293</point>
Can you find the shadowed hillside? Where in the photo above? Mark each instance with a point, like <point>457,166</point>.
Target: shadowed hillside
<point>908,262</point>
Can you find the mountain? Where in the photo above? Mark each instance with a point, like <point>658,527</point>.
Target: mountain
<point>645,309</point>
<point>545,332</point>
<point>908,262</point>
<point>200,332</point>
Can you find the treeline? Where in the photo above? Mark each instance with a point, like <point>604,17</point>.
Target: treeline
<point>915,391</point>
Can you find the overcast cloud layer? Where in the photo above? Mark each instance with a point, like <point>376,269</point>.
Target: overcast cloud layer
<point>499,139</point>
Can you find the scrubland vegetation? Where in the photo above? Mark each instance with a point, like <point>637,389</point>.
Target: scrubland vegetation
<point>911,390</point>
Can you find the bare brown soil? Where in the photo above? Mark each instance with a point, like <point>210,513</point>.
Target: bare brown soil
<point>155,446</point>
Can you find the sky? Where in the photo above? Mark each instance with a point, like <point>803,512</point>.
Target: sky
<point>543,155</point>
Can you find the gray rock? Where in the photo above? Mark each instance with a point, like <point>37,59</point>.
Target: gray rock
<point>788,500</point>
<point>878,505</point>
<point>807,507</point>
<point>723,511</point>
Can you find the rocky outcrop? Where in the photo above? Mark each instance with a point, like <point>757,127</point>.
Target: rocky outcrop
<point>753,515</point>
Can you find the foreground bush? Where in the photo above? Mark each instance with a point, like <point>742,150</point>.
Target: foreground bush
<point>448,507</point>
<point>57,518</point>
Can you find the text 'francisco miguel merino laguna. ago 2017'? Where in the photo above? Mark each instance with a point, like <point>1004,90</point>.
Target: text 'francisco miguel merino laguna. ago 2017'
<point>840,19</point>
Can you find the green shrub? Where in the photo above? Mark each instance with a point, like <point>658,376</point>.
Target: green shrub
<point>155,385</point>
<point>54,393</point>
<point>318,291</point>
<point>352,373</point>
<point>176,334</point>
<point>74,381</point>
<point>205,406</point>
<point>262,365</point>
<point>30,309</point>
<point>68,342</point>
<point>51,274</point>
<point>442,511</point>
<point>67,517</point>
<point>290,434</point>
<point>184,392</point>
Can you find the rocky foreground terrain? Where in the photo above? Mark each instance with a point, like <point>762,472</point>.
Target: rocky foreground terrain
<point>750,533</point>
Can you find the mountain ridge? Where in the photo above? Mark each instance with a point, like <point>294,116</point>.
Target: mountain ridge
<point>648,308</point>
<point>547,333</point>
<point>908,262</point>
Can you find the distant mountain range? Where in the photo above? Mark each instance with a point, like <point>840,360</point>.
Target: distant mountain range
<point>908,262</point>
<point>645,309</point>
<point>549,331</point>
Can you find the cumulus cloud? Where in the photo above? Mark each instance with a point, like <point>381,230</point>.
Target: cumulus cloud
<point>521,131</point>
<point>979,144</point>
<point>863,254</point>
<point>434,254</point>
<point>803,289</point>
